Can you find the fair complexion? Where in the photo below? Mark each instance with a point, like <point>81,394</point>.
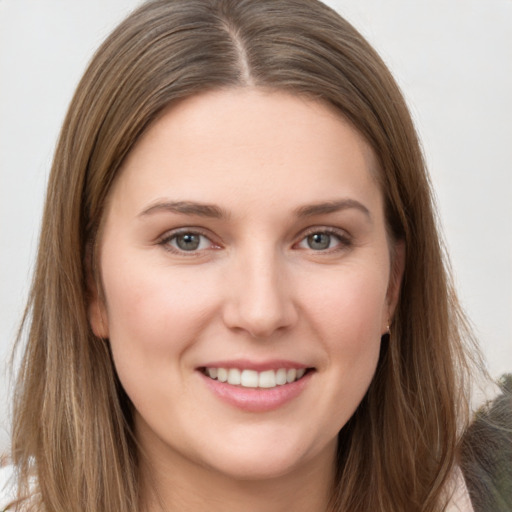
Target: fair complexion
<point>245,239</point>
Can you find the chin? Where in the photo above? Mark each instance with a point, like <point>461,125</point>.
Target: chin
<point>269,460</point>
<point>257,469</point>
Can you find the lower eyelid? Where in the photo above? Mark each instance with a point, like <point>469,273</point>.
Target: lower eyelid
<point>343,240</point>
<point>203,240</point>
<point>166,240</point>
<point>342,237</point>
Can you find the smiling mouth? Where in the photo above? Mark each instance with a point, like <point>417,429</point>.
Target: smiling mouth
<point>253,379</point>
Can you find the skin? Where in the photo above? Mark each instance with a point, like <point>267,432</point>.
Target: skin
<point>254,289</point>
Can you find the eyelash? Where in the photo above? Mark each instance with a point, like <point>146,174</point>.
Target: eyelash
<point>167,239</point>
<point>344,241</point>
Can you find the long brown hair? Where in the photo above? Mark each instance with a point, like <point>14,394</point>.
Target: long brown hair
<point>72,421</point>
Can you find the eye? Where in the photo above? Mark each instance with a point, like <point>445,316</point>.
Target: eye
<point>319,241</point>
<point>187,241</point>
<point>324,240</point>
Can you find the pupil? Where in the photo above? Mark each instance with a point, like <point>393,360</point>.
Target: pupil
<point>188,242</point>
<point>319,241</point>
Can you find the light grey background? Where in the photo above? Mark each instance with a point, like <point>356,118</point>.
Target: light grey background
<point>453,59</point>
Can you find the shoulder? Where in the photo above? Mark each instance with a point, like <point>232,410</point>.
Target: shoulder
<point>7,487</point>
<point>459,496</point>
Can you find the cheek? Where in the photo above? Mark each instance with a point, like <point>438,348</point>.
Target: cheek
<point>347,314</point>
<point>348,304</point>
<point>154,317</point>
<point>154,310</point>
<point>350,323</point>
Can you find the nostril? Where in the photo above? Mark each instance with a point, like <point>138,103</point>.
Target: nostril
<point>258,297</point>
<point>260,320</point>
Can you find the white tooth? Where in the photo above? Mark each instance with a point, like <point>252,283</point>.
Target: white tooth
<point>300,373</point>
<point>291,375</point>
<point>212,372</point>
<point>267,379</point>
<point>234,376</point>
<point>249,379</point>
<point>281,376</point>
<point>222,374</point>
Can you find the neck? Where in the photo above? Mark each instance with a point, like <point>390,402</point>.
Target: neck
<point>195,488</point>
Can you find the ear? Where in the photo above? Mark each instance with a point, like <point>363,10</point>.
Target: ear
<point>395,277</point>
<point>96,309</point>
<point>97,313</point>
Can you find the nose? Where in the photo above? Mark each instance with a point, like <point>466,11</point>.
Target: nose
<point>260,296</point>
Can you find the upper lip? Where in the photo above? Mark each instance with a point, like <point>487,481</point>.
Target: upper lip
<point>259,366</point>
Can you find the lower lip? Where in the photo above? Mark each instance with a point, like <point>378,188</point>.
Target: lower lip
<point>257,399</point>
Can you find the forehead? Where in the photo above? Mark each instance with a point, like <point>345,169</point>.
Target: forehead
<point>250,143</point>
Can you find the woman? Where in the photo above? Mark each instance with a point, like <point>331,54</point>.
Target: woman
<point>240,300</point>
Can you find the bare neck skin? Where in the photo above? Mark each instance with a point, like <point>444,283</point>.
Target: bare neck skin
<point>195,488</point>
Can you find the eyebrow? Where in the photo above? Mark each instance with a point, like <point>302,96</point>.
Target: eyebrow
<point>186,208</point>
<point>214,211</point>
<point>323,208</point>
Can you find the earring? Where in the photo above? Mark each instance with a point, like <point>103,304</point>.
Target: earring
<point>388,328</point>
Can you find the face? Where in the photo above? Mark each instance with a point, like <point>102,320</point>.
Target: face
<point>246,277</point>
